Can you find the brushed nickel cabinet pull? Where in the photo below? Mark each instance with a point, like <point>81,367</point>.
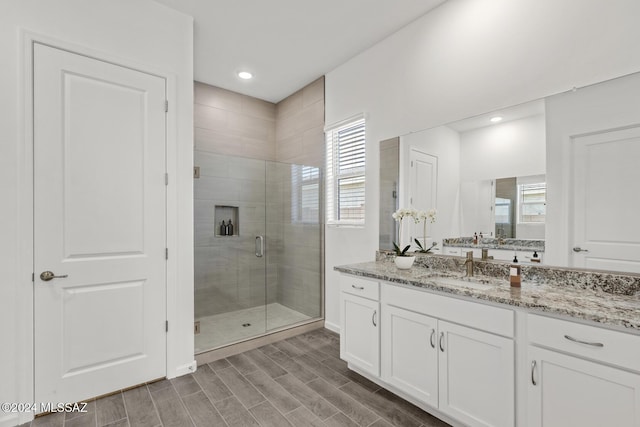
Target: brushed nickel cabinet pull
<point>593,344</point>
<point>533,370</point>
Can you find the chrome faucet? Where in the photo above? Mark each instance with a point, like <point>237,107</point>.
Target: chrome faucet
<point>469,264</point>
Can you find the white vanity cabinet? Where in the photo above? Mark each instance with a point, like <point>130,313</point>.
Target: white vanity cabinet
<point>581,375</point>
<point>410,354</point>
<point>448,250</point>
<point>476,376</point>
<point>359,323</point>
<point>524,256</point>
<point>507,255</point>
<point>465,372</point>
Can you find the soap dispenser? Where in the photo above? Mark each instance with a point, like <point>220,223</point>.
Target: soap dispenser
<point>223,229</point>
<point>229,228</point>
<point>535,257</point>
<point>515,273</point>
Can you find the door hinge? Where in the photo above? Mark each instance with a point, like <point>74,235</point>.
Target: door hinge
<point>166,179</point>
<point>411,163</point>
<point>166,106</point>
<point>166,326</point>
<point>166,253</point>
<point>33,277</point>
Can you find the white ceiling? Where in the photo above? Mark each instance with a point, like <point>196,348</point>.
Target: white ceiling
<point>287,44</point>
<point>520,111</point>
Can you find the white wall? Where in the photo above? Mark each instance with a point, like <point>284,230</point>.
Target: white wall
<point>136,32</point>
<point>515,148</point>
<point>462,59</point>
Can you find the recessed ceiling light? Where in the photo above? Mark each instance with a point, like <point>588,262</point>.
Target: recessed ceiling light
<point>245,75</point>
<point>496,119</point>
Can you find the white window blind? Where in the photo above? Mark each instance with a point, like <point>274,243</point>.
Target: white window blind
<point>533,202</point>
<point>346,173</point>
<point>305,194</point>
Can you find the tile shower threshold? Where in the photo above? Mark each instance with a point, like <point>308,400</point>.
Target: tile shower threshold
<point>259,336</point>
<point>259,341</point>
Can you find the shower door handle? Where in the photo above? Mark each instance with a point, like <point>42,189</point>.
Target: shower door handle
<point>259,246</point>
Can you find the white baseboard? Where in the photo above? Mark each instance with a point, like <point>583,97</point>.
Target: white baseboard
<point>11,420</point>
<point>332,327</point>
<point>189,368</point>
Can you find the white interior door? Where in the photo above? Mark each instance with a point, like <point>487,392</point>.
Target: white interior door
<point>99,221</point>
<point>605,201</point>
<point>423,182</point>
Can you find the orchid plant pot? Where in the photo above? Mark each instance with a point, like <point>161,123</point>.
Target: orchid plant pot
<point>404,262</point>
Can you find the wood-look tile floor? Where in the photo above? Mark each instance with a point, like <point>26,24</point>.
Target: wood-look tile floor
<point>296,382</point>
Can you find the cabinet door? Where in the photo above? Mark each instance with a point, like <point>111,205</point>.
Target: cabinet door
<point>359,333</point>
<point>409,353</point>
<point>570,391</point>
<point>476,376</point>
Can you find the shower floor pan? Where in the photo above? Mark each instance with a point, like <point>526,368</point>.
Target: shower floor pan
<point>226,328</point>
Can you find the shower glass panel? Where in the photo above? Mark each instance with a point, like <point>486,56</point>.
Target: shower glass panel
<point>293,244</point>
<point>265,275</point>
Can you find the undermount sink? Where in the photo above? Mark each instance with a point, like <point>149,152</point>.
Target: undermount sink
<point>467,282</point>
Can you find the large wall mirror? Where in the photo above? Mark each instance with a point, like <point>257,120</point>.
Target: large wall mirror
<point>563,169</point>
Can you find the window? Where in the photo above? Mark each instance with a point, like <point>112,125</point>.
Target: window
<point>305,197</point>
<point>503,211</point>
<point>532,202</point>
<point>346,173</point>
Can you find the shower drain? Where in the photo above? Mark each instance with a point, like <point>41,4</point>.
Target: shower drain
<point>246,324</point>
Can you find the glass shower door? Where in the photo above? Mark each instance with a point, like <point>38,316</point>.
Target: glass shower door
<point>265,274</point>
<point>230,270</point>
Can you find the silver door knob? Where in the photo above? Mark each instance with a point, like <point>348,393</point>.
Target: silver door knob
<point>579,249</point>
<point>48,275</point>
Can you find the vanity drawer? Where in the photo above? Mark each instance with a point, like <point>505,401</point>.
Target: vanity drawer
<point>452,251</point>
<point>477,315</point>
<point>366,288</point>
<point>604,345</point>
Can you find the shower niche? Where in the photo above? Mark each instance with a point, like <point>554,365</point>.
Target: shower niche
<point>226,221</point>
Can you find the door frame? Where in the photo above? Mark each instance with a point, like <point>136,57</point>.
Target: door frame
<point>24,320</point>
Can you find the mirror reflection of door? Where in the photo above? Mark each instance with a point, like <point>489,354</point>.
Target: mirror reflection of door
<point>605,168</point>
<point>594,146</point>
<point>422,191</point>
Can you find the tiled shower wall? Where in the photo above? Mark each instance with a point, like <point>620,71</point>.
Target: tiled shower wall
<point>300,126</point>
<point>300,140</point>
<point>227,123</point>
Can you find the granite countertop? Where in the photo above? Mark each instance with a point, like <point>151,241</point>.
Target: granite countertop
<point>580,303</point>
<point>493,243</point>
